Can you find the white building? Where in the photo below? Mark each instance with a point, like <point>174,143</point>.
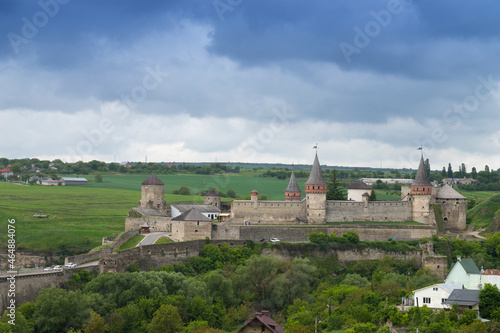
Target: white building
<point>435,296</point>
<point>355,191</point>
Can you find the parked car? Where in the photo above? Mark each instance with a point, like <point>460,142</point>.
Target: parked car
<point>47,269</point>
<point>274,240</point>
<point>58,267</point>
<point>70,265</point>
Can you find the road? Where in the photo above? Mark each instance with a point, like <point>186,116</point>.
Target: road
<point>152,238</point>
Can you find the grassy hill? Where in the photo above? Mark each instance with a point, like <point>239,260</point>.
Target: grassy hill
<point>482,214</point>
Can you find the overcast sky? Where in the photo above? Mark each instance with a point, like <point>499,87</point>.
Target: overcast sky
<point>252,81</point>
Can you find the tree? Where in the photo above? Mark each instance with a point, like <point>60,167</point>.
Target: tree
<point>183,190</point>
<point>450,171</point>
<point>463,170</point>
<point>97,177</point>
<point>57,311</point>
<point>486,168</point>
<point>96,324</point>
<point>427,166</point>
<point>335,188</point>
<point>489,300</point>
<point>373,196</point>
<point>165,319</point>
<point>230,193</point>
<point>474,173</point>
<point>443,172</point>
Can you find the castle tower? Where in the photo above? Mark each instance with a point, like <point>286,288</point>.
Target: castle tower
<point>212,198</point>
<point>422,197</point>
<point>293,192</point>
<point>153,194</point>
<point>316,194</point>
<point>254,196</point>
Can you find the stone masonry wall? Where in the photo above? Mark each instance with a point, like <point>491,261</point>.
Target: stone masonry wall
<point>380,211</point>
<point>155,256</point>
<point>296,233</point>
<point>269,212</point>
<point>156,223</point>
<point>453,213</point>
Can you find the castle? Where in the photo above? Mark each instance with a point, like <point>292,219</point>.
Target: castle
<point>418,203</point>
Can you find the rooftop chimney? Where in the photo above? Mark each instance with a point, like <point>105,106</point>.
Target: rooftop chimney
<point>459,258</point>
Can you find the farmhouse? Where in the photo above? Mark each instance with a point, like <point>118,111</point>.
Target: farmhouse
<point>6,173</point>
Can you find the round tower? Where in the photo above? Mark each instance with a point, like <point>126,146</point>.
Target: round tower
<point>293,192</point>
<point>316,188</point>
<point>212,198</point>
<point>153,194</point>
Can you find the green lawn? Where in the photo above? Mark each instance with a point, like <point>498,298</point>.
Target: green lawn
<point>164,240</point>
<point>132,242</point>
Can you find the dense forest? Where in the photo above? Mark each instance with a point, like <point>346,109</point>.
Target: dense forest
<point>224,286</point>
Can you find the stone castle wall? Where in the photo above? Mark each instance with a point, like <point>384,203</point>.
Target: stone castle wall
<point>316,208</point>
<point>454,212</point>
<point>422,210</point>
<point>268,212</point>
<point>379,211</point>
<point>156,223</point>
<point>155,256</point>
<point>27,286</point>
<point>298,233</point>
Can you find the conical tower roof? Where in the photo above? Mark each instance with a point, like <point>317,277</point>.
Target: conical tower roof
<point>316,176</point>
<point>152,180</point>
<point>422,178</point>
<point>212,193</point>
<point>292,185</point>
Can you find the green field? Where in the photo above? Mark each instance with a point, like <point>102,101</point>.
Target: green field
<point>242,184</point>
<point>80,216</point>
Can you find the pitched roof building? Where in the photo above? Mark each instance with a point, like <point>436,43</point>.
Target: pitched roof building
<point>261,323</point>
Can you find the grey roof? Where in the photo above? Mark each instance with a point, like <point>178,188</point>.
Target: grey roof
<point>465,297</point>
<point>212,193</point>
<point>421,179</point>
<point>152,180</point>
<point>72,179</point>
<point>292,185</point>
<point>468,264</point>
<point>359,185</point>
<point>448,192</point>
<point>191,215</point>
<point>200,208</point>
<point>316,176</point>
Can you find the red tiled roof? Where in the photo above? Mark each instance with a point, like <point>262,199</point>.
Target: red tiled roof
<point>491,272</point>
<point>5,170</point>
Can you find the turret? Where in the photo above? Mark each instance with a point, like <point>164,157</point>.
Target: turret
<point>293,191</point>
<point>254,196</point>
<point>421,185</point>
<point>153,194</point>
<point>316,188</point>
<point>422,198</point>
<point>212,198</point>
